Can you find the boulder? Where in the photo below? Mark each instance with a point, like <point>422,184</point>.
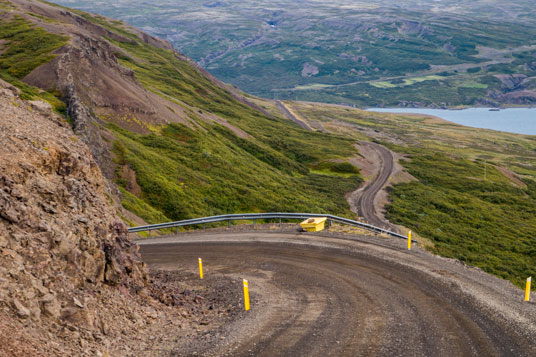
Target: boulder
<point>50,306</point>
<point>21,310</point>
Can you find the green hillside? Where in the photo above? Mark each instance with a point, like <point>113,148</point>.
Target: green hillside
<point>203,168</point>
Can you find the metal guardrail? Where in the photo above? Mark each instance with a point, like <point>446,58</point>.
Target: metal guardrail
<point>254,216</point>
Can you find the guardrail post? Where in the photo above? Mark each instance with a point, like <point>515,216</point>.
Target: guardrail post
<point>204,227</point>
<point>280,223</point>
<point>176,229</point>
<point>150,233</point>
<point>254,223</point>
<point>229,224</point>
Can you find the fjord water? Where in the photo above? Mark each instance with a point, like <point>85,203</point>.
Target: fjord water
<point>512,120</point>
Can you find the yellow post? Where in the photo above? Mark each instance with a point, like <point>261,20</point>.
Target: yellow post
<point>200,268</point>
<point>246,295</point>
<point>409,240</point>
<point>527,289</point>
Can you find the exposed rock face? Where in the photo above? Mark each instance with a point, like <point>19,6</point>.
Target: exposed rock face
<point>61,245</point>
<point>96,88</point>
<point>309,70</point>
<point>511,81</point>
<point>514,90</point>
<point>413,28</point>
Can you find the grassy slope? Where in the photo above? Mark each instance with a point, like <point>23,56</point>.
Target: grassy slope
<point>188,173</point>
<point>27,47</point>
<point>204,169</point>
<point>461,201</point>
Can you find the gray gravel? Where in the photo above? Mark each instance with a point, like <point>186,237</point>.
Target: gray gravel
<point>331,294</point>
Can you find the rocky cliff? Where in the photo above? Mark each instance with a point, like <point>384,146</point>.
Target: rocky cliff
<point>68,272</point>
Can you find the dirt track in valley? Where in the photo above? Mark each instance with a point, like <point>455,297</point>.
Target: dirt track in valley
<point>320,295</point>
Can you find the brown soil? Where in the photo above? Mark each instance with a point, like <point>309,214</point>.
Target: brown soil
<point>129,176</point>
<point>511,176</point>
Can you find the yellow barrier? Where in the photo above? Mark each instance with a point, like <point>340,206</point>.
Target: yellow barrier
<point>246,295</point>
<point>200,268</point>
<point>527,289</point>
<point>409,240</point>
<point>314,224</point>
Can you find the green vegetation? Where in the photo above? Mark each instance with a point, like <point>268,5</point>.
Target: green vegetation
<point>185,173</point>
<point>26,48</point>
<point>474,196</point>
<point>330,168</point>
<point>485,222</point>
<point>405,82</point>
<point>262,47</point>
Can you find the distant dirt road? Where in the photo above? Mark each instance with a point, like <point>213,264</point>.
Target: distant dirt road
<point>365,202</point>
<point>291,116</point>
<point>324,295</point>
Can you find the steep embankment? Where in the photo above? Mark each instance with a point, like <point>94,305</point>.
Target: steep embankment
<point>63,248</point>
<point>175,140</point>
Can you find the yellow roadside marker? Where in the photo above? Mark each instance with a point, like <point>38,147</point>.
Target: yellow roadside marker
<point>409,240</point>
<point>527,289</point>
<point>246,295</point>
<point>200,268</point>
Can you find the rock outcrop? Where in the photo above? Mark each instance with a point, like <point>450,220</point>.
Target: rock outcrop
<point>95,86</point>
<point>63,250</point>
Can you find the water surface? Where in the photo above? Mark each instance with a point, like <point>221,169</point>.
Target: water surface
<point>512,120</point>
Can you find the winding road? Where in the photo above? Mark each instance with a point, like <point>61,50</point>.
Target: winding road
<point>332,295</point>
<point>365,202</point>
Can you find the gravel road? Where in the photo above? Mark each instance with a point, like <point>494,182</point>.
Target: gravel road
<point>365,202</point>
<point>326,294</point>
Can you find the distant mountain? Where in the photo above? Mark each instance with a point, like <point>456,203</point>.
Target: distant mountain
<point>374,53</point>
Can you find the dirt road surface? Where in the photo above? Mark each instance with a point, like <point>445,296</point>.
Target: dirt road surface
<point>322,295</point>
<point>365,202</point>
<point>281,106</point>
